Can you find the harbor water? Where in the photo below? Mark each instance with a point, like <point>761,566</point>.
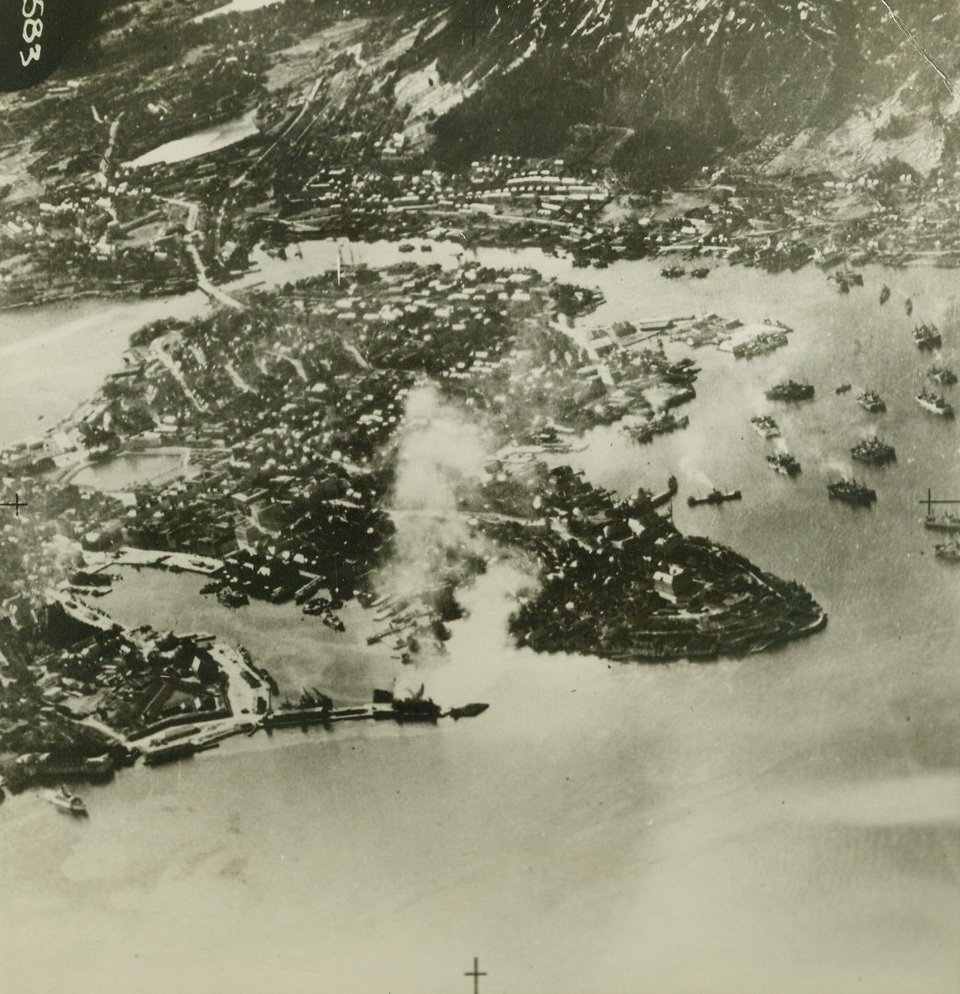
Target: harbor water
<point>788,822</point>
<point>202,142</point>
<point>133,469</point>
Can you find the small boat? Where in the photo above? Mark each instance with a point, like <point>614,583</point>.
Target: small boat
<point>935,404</point>
<point>405,247</point>
<point>843,388</point>
<point>949,550</point>
<point>231,597</point>
<point>63,800</point>
<point>884,294</point>
<point>467,711</point>
<point>700,273</point>
<point>714,497</point>
<point>840,282</point>
<point>673,272</point>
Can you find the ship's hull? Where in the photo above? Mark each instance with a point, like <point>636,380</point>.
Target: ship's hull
<point>943,524</point>
<point>722,499</point>
<point>942,412</point>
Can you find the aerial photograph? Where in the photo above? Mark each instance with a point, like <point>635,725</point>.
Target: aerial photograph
<point>480,496</point>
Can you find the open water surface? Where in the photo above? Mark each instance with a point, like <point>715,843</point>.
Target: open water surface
<point>132,469</point>
<point>788,822</point>
<point>202,142</point>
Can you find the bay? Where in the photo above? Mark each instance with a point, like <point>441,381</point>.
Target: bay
<point>785,822</point>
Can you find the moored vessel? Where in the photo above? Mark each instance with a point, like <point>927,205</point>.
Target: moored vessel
<point>765,425</point>
<point>660,425</point>
<point>927,336</point>
<point>852,492</point>
<point>714,497</point>
<point>941,374</point>
<point>790,390</point>
<point>843,279</point>
<point>934,403</point>
<point>874,451</point>
<point>64,800</point>
<point>765,341</point>
<point>942,522</point>
<point>784,463</point>
<point>871,401</point>
<point>949,550</point>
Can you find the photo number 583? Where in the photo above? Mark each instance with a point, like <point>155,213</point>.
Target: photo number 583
<point>32,11</point>
<point>35,35</point>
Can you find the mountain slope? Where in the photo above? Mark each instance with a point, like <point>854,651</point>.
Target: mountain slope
<point>694,75</point>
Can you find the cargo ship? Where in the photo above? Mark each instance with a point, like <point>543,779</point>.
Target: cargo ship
<point>934,403</point>
<point>765,425</point>
<point>871,401</point>
<point>927,336</point>
<point>714,497</point>
<point>942,522</point>
<point>661,425</point>
<point>784,463</point>
<point>941,374</point>
<point>874,451</point>
<point>790,390</point>
<point>949,550</point>
<point>852,492</point>
<point>766,341</point>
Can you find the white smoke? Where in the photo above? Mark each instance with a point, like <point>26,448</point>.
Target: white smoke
<point>441,458</point>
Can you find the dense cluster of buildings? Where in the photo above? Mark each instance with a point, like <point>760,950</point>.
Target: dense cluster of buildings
<point>619,581</point>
